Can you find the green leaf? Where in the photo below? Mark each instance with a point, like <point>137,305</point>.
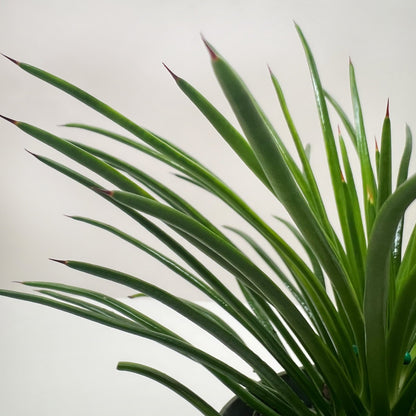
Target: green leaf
<point>105,300</point>
<point>316,267</point>
<point>236,141</point>
<point>280,177</point>
<point>229,303</point>
<point>357,249</point>
<point>405,402</point>
<point>402,328</point>
<point>315,199</point>
<point>253,276</point>
<point>272,264</point>
<point>401,177</point>
<point>216,366</point>
<point>237,204</point>
<point>344,118</point>
<point>161,190</point>
<point>84,158</point>
<point>172,384</point>
<point>367,174</point>
<point>194,314</point>
<point>377,289</point>
<point>171,264</point>
<point>385,174</point>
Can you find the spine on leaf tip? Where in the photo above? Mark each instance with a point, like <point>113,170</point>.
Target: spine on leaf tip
<point>174,76</point>
<point>11,59</point>
<point>59,261</point>
<point>10,120</point>
<point>213,54</point>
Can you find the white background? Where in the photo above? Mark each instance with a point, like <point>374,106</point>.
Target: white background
<point>114,49</point>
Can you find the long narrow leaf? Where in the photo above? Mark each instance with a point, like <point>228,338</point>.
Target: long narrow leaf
<point>385,174</point>
<point>403,324</point>
<point>105,300</point>
<point>401,177</point>
<point>376,291</point>
<point>193,314</point>
<point>315,199</point>
<point>171,383</point>
<point>237,309</point>
<point>311,342</point>
<point>84,158</point>
<point>215,365</point>
<point>275,240</point>
<point>168,195</point>
<point>236,141</point>
<point>281,179</point>
<point>367,174</point>
<point>171,264</point>
<point>358,244</point>
<point>344,118</point>
<point>316,267</point>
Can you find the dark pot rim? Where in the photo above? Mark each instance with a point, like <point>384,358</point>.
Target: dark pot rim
<point>237,407</point>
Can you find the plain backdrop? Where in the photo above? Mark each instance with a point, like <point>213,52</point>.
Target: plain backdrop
<point>114,50</point>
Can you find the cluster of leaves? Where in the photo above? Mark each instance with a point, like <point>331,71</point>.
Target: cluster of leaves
<point>350,318</point>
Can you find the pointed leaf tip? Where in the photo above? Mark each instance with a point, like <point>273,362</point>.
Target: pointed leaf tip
<point>174,76</point>
<point>31,153</point>
<point>388,108</point>
<point>59,261</point>
<point>102,191</point>
<point>10,120</point>
<point>11,59</point>
<point>271,72</point>
<point>298,29</point>
<point>211,50</point>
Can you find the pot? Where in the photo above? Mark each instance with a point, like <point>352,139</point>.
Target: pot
<point>236,407</point>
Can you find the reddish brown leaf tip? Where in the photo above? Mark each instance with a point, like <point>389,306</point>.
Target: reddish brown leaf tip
<point>136,295</point>
<point>375,141</point>
<point>59,261</point>
<point>11,59</point>
<point>10,120</point>
<point>388,109</point>
<point>271,72</point>
<point>102,191</point>
<point>174,76</point>
<point>342,178</point>
<point>31,153</point>
<point>339,130</point>
<point>211,51</point>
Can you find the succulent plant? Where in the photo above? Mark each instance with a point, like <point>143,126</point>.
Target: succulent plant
<point>338,314</point>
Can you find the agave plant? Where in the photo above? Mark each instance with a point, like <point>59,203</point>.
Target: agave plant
<point>337,312</point>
